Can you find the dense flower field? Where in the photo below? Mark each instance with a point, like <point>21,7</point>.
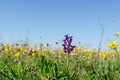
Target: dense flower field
<point>22,62</point>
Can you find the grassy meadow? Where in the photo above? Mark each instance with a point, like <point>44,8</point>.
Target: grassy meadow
<point>23,62</point>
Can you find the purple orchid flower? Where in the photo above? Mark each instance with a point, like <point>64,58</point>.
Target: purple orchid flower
<point>68,48</point>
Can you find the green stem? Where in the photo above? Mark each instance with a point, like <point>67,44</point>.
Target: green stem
<point>67,63</point>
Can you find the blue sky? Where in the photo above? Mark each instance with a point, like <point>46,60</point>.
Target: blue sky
<point>52,19</point>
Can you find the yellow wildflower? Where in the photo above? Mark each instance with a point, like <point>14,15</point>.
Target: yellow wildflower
<point>5,50</point>
<point>33,54</point>
<point>59,56</point>
<point>33,50</point>
<point>17,54</point>
<point>7,47</point>
<point>62,51</point>
<point>21,49</point>
<point>113,45</point>
<point>77,49</point>
<point>109,58</point>
<point>117,34</point>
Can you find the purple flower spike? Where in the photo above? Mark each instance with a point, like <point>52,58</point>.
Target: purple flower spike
<point>68,48</point>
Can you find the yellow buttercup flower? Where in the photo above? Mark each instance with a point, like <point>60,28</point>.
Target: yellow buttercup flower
<point>17,54</point>
<point>7,47</point>
<point>62,51</point>
<point>33,54</point>
<point>33,50</point>
<point>113,45</point>
<point>117,34</point>
<point>21,49</point>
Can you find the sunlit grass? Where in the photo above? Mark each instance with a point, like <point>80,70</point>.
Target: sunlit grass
<point>21,62</point>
